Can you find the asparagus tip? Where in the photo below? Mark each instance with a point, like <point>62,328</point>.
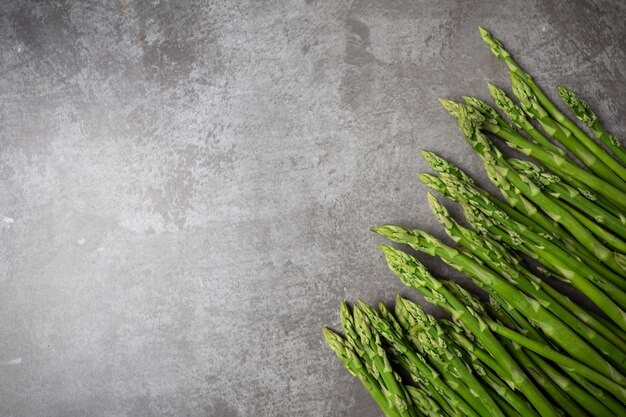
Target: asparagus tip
<point>391,231</point>
<point>516,79</point>
<point>562,90</point>
<point>387,250</point>
<point>450,106</point>
<point>431,198</point>
<point>494,89</point>
<point>330,336</point>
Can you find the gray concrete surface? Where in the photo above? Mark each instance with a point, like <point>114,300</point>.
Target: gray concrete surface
<point>186,187</point>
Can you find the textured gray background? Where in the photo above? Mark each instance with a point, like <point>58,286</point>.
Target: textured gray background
<point>186,187</point>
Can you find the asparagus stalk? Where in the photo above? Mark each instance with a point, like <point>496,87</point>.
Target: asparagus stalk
<point>416,322</point>
<point>614,242</point>
<point>609,325</point>
<point>564,361</point>
<point>467,298</point>
<point>501,398</point>
<point>571,195</point>
<point>550,159</point>
<point>573,249</point>
<point>589,158</point>
<point>583,112</point>
<point>350,359</point>
<point>524,212</point>
<point>517,116</point>
<point>512,319</point>
<point>372,347</point>
<point>499,51</point>
<point>456,176</point>
<point>490,371</point>
<point>467,402</point>
<point>615,260</point>
<point>533,244</point>
<point>505,177</point>
<point>549,323</point>
<point>531,365</point>
<point>496,258</point>
<point>424,402</point>
<point>448,405</point>
<point>448,401</point>
<point>360,337</point>
<point>412,273</point>
<point>503,130</point>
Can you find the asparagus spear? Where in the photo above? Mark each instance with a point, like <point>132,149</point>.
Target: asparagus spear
<point>512,319</point>
<point>477,208</point>
<point>466,402</point>
<point>517,116</point>
<point>551,160</point>
<point>561,262</point>
<point>350,359</point>
<point>491,378</point>
<point>524,212</point>
<point>549,323</point>
<point>612,241</point>
<point>496,258</point>
<point>564,361</point>
<point>531,366</point>
<point>447,404</point>
<point>542,100</point>
<point>505,177</point>
<point>534,110</point>
<point>571,195</point>
<point>371,343</point>
<point>578,227</point>
<point>414,319</point>
<point>424,402</point>
<point>496,125</point>
<point>417,323</point>
<point>587,260</point>
<point>458,179</point>
<point>360,337</point>
<point>508,409</point>
<point>544,349</point>
<point>584,113</point>
<point>412,273</point>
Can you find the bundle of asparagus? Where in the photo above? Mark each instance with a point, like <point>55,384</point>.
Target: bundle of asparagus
<point>529,350</point>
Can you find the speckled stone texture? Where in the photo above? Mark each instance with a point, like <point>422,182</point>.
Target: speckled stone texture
<point>186,188</point>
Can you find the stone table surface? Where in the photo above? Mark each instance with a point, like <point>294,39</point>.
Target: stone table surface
<point>186,187</point>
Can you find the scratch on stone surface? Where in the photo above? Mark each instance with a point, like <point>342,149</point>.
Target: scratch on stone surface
<point>16,361</point>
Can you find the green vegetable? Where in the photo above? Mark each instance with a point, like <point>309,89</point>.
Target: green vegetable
<point>355,367</point>
<point>543,101</point>
<point>584,113</point>
<point>412,273</point>
<point>530,350</point>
